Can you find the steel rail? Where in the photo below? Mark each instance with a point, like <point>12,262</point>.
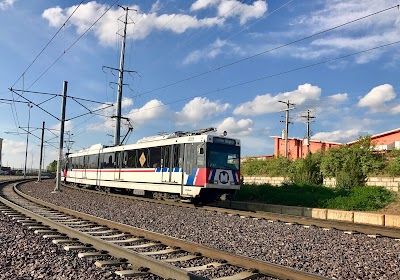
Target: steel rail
<point>155,266</point>
<point>262,267</point>
<point>340,225</point>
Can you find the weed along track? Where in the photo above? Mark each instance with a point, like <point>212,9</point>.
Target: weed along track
<point>135,252</point>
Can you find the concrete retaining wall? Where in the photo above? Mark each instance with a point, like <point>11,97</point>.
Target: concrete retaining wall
<point>390,183</point>
<point>324,214</point>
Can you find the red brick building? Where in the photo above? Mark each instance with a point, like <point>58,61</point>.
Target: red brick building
<point>297,148</point>
<point>385,141</point>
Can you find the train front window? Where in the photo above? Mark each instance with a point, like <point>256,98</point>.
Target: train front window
<point>222,156</point>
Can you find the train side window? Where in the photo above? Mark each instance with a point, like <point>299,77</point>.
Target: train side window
<point>189,158</point>
<point>177,156</point>
<point>142,158</point>
<point>155,157</point>
<point>166,150</point>
<point>200,155</point>
<point>92,161</point>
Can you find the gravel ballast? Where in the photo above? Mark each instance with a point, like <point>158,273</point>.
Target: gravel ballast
<point>329,253</point>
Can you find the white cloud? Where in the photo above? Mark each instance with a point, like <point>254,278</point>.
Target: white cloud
<point>199,109</point>
<point>201,4</point>
<point>57,127</point>
<point>363,34</point>
<point>155,7</point>
<point>234,8</point>
<point>339,97</point>
<point>145,23</point>
<point>236,128</point>
<point>231,8</point>
<point>340,136</point>
<point>213,50</point>
<point>5,4</point>
<point>376,98</point>
<point>152,110</point>
<point>267,103</point>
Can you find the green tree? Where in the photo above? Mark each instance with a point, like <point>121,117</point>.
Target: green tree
<point>52,167</point>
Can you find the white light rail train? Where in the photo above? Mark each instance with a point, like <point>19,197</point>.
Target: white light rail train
<point>192,166</point>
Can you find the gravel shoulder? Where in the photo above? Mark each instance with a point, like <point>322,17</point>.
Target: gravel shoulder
<point>329,253</point>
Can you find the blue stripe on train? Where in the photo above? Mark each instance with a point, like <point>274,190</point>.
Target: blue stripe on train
<point>191,177</point>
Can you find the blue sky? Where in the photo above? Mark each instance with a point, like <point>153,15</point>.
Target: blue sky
<point>171,41</point>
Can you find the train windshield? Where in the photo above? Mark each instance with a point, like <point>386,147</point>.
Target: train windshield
<point>221,156</point>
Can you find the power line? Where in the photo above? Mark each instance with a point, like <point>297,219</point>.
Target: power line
<point>65,51</point>
<point>58,31</point>
<point>267,51</point>
<point>273,75</point>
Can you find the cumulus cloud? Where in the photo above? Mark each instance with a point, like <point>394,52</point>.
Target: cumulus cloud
<point>236,128</point>
<point>340,136</point>
<point>268,103</point>
<point>146,23</point>
<point>5,4</point>
<point>152,110</point>
<point>376,99</point>
<point>57,127</point>
<point>234,8</point>
<point>340,97</point>
<point>199,109</point>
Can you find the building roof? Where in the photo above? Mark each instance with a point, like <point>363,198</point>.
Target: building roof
<point>379,135</point>
<point>311,140</point>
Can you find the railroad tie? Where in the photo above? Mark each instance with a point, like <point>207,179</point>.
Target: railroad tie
<point>203,267</point>
<point>239,276</point>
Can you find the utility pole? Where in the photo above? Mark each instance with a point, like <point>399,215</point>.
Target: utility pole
<point>288,104</point>
<point>61,142</point>
<point>41,154</point>
<point>27,138</point>
<point>308,118</point>
<point>117,134</point>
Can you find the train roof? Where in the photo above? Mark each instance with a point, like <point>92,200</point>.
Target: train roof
<point>160,140</point>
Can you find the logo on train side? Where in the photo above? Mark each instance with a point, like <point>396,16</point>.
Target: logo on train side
<point>223,177</point>
<point>142,159</point>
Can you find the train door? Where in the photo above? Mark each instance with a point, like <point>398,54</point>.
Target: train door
<point>84,166</point>
<point>166,164</point>
<point>117,164</point>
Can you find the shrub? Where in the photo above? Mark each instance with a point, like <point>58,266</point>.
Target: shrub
<point>307,171</point>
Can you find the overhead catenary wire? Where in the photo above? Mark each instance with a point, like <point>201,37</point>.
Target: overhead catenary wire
<point>73,44</point>
<point>272,75</point>
<point>48,43</point>
<point>267,51</point>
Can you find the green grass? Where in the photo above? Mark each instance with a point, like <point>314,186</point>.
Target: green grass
<point>358,198</point>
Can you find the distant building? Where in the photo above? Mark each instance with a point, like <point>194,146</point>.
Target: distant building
<point>297,148</point>
<point>385,141</point>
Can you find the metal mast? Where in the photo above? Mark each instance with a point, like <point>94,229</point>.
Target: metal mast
<point>117,134</point>
<point>288,104</point>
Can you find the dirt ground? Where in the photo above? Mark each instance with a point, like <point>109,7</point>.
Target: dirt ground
<point>393,208</point>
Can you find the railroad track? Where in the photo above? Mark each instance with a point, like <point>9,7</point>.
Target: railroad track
<point>140,251</point>
<point>349,228</point>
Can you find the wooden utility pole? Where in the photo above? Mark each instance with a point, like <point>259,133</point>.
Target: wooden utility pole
<point>308,118</point>
<point>288,104</point>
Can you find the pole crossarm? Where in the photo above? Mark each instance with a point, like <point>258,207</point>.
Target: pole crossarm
<point>90,112</point>
<point>30,133</point>
<point>29,101</point>
<point>11,100</point>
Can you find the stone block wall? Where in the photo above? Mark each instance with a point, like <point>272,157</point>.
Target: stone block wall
<point>390,183</point>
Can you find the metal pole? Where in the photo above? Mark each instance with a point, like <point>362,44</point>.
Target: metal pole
<point>308,132</point>
<point>287,133</point>
<point>41,155</point>
<point>117,134</point>
<point>60,149</point>
<point>27,138</point>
